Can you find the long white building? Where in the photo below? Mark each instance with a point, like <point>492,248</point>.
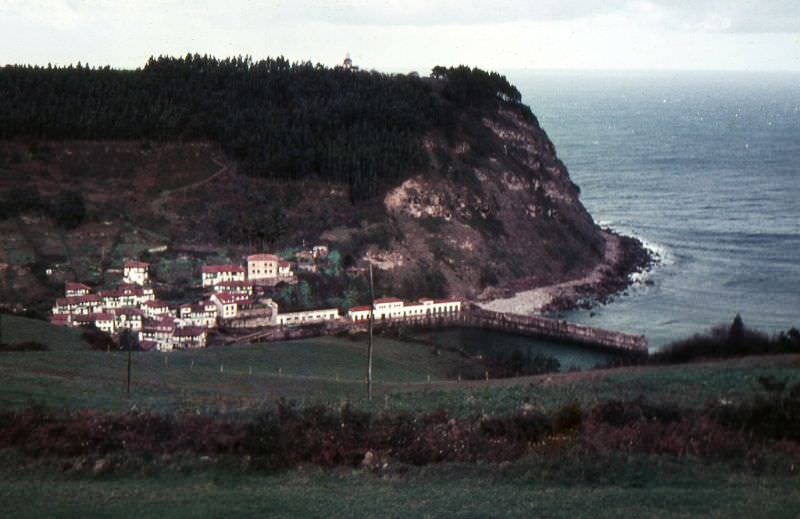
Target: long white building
<point>388,308</point>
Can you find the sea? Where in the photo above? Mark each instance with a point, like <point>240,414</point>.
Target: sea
<point>703,168</point>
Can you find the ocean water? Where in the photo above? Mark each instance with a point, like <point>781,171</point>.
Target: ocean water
<point>705,169</point>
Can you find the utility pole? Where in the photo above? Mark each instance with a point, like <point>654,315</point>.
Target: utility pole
<point>130,341</point>
<point>369,346</point>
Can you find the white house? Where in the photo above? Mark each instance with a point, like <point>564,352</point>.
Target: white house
<point>105,322</point>
<point>216,274</point>
<point>190,337</point>
<point>319,251</point>
<point>285,269</point>
<point>126,295</point>
<point>76,289</point>
<point>227,303</point>
<point>309,316</point>
<point>159,331</point>
<point>135,272</point>
<point>268,269</point>
<point>155,309</point>
<point>262,267</point>
<point>358,313</point>
<point>235,287</point>
<point>78,305</point>
<point>388,308</point>
<point>128,318</point>
<point>202,314</point>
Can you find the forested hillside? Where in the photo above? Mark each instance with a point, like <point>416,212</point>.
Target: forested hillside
<point>281,120</point>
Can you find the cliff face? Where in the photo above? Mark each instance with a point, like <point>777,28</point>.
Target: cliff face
<point>497,210</point>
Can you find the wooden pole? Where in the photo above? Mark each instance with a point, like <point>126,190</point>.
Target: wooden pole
<point>129,368</point>
<point>369,345</point>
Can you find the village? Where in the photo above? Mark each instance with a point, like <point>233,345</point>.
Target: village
<point>234,297</point>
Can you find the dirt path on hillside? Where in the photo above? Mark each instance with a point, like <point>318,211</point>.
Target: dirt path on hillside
<point>536,300</point>
<point>158,203</point>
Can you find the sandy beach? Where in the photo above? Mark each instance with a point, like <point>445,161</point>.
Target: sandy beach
<point>535,301</point>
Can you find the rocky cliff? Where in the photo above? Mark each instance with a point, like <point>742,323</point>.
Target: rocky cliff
<point>497,213</point>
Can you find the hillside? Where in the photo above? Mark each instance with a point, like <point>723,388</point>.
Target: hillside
<point>448,184</point>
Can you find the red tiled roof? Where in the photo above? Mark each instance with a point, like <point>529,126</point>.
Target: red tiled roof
<point>165,319</point>
<point>59,319</point>
<point>76,300</point>
<point>437,301</point>
<point>227,298</point>
<point>284,263</point>
<point>359,308</point>
<point>103,316</point>
<point>156,304</point>
<point>132,264</point>
<point>222,268</point>
<point>158,325</point>
<point>234,284</point>
<point>263,257</point>
<point>128,311</point>
<point>76,286</point>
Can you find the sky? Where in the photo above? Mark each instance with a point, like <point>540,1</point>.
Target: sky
<point>406,35</point>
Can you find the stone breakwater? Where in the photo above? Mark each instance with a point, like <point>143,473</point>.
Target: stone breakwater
<point>555,329</point>
<point>471,316</point>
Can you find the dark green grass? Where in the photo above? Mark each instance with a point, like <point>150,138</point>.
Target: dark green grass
<point>687,385</point>
<point>657,489</point>
<point>331,370</point>
<point>19,329</point>
<point>325,370</point>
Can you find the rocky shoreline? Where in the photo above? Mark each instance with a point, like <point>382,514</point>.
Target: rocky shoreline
<point>624,256</point>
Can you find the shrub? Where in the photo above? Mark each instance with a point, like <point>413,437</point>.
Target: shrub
<point>727,341</point>
<point>23,346</point>
<point>68,209</point>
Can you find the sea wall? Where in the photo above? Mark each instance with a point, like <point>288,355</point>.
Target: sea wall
<point>471,316</point>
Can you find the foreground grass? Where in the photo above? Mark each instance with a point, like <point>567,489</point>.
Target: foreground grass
<point>653,489</point>
<point>248,378</point>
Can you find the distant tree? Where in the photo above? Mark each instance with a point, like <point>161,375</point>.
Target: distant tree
<point>128,341</point>
<point>23,199</point>
<point>68,209</point>
<point>96,339</point>
<point>736,331</point>
<point>282,120</point>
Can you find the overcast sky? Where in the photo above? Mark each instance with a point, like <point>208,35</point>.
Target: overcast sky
<point>404,35</point>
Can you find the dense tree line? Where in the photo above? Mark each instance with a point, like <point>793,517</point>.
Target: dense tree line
<point>281,119</point>
<point>475,87</point>
<point>67,208</point>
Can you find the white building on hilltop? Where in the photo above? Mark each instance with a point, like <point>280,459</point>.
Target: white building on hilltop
<point>135,272</point>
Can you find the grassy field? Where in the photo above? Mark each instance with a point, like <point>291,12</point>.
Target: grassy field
<point>239,378</point>
<point>671,490</point>
<point>329,370</point>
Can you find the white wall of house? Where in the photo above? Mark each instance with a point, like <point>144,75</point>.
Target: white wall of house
<point>310,316</point>
<point>135,275</point>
